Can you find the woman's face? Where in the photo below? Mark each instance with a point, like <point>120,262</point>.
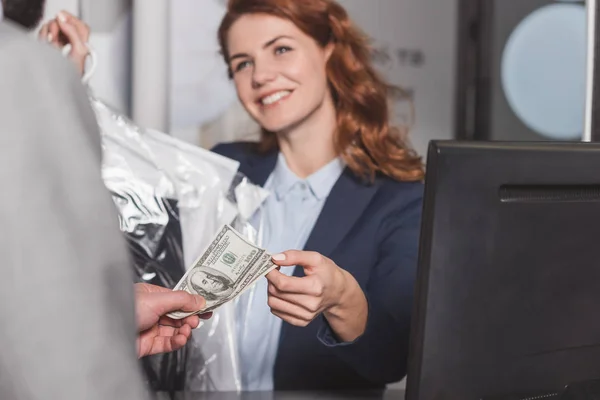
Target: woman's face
<point>279,71</point>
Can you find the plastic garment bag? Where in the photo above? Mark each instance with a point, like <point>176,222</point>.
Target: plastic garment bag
<point>170,198</point>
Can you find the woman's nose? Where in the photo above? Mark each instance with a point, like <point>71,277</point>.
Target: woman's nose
<point>263,73</point>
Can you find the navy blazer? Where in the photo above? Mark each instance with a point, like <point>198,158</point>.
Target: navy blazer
<point>372,231</point>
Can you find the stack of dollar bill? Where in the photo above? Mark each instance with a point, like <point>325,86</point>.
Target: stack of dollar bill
<point>229,266</point>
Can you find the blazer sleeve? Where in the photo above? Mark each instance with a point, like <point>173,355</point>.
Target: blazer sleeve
<point>380,354</point>
<point>66,296</point>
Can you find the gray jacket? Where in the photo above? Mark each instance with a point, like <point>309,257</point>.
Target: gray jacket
<point>67,328</point>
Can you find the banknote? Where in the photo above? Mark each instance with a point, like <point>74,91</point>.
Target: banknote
<point>229,266</point>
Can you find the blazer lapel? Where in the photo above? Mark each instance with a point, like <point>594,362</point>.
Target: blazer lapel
<point>258,167</point>
<point>344,205</point>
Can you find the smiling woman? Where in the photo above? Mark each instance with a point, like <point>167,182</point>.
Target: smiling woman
<point>345,185</point>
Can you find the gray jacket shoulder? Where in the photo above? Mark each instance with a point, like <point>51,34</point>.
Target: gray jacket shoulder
<point>42,74</point>
<point>17,46</point>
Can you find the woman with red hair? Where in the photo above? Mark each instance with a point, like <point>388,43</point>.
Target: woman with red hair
<point>346,188</point>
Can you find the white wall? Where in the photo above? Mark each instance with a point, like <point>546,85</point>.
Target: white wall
<point>420,36</point>
<point>54,6</point>
<point>204,109</point>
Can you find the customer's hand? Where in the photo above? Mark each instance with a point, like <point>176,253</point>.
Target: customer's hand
<point>68,29</point>
<point>157,332</point>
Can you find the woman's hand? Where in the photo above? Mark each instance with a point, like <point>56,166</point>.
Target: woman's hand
<point>68,29</point>
<point>325,289</point>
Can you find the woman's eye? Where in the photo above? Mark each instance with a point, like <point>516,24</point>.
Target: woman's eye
<point>282,49</point>
<point>241,66</point>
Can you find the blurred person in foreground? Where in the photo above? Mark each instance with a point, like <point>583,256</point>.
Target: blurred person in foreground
<point>71,314</point>
<point>346,188</point>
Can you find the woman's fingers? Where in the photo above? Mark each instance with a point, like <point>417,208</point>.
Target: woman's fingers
<point>308,302</point>
<point>280,306</point>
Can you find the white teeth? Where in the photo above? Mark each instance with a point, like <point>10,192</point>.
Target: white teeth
<point>274,97</point>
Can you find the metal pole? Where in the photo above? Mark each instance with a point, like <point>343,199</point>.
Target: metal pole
<point>590,61</point>
<point>150,63</point>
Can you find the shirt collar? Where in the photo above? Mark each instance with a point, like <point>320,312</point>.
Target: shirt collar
<point>320,182</point>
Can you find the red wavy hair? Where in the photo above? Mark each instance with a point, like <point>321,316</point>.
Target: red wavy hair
<point>364,138</point>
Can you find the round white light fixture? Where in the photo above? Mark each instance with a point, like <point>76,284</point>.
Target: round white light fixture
<point>543,70</point>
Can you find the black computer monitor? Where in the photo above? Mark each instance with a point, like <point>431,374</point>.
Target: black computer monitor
<point>508,288</point>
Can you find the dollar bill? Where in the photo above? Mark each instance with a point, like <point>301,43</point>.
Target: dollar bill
<point>229,266</point>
